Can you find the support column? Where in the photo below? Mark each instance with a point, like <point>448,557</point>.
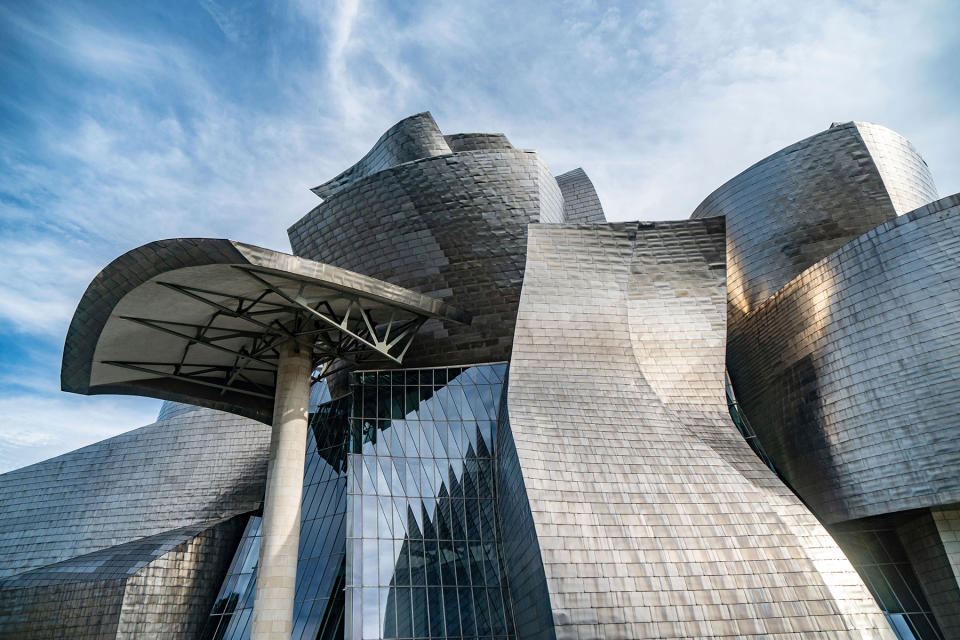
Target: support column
<point>277,571</point>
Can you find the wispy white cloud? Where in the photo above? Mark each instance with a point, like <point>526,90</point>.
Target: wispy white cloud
<point>136,134</point>
<point>38,426</point>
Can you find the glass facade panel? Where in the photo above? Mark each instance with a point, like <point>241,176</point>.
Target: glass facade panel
<point>319,596</point>
<point>422,488</point>
<point>399,532</point>
<point>882,563</point>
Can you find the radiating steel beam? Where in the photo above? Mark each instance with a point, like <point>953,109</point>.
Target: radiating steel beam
<point>150,323</point>
<point>195,380</point>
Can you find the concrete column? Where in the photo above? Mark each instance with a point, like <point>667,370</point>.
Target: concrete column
<point>277,571</point>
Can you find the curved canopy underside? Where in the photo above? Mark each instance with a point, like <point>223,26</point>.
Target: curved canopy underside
<point>199,320</point>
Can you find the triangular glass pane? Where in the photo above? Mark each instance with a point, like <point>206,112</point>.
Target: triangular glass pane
<point>455,471</point>
<point>440,475</point>
<point>483,374</point>
<point>384,435</point>
<point>466,413</point>
<point>412,481</point>
<point>428,510</point>
<point>369,474</point>
<point>458,514</point>
<point>383,475</point>
<point>473,519</point>
<point>399,477</point>
<point>398,437</point>
<point>486,486</point>
<point>414,521</point>
<point>489,401</point>
<point>453,441</point>
<point>410,440</point>
<point>384,518</point>
<point>451,405</point>
<point>426,522</point>
<point>471,431</point>
<point>487,519</point>
<point>425,412</point>
<point>426,439</point>
<point>440,440</point>
<point>427,487</point>
<point>477,407</point>
<point>400,517</point>
<point>485,427</point>
<point>470,478</point>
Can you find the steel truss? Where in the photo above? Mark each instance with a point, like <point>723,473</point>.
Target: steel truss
<point>286,308</point>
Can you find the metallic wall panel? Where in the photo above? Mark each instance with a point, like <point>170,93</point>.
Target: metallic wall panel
<point>194,467</point>
<point>410,139</point>
<point>521,549</point>
<point>160,586</point>
<point>904,172</point>
<point>451,226</point>
<point>581,204</point>
<point>805,201</point>
<point>654,519</point>
<point>477,142</point>
<point>849,374</point>
<point>927,539</point>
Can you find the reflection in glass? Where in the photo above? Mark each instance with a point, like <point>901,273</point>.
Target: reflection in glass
<point>422,486</point>
<point>882,562</point>
<point>319,595</point>
<point>399,534</point>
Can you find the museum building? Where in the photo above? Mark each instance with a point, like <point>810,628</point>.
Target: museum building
<point>468,407</point>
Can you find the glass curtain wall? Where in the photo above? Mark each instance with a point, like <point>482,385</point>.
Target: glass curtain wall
<point>424,555</point>
<point>882,562</point>
<point>318,602</point>
<point>400,534</point>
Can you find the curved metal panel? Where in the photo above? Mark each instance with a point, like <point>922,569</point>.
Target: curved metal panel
<point>904,172</point>
<point>453,227</point>
<point>581,204</point>
<point>477,142</point>
<point>410,139</point>
<point>200,320</point>
<point>198,466</point>
<point>849,373</point>
<point>654,518</point>
<point>805,201</point>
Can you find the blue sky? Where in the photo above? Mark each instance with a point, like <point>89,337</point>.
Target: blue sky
<point>125,122</point>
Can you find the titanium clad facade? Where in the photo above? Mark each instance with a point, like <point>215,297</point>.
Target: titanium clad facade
<point>904,172</point>
<point>160,587</point>
<point>451,226</point>
<point>581,204</point>
<point>807,200</point>
<point>644,529</point>
<point>558,453</point>
<point>853,363</point>
<point>194,467</point>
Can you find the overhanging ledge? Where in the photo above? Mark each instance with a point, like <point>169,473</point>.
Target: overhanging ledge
<point>199,320</point>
